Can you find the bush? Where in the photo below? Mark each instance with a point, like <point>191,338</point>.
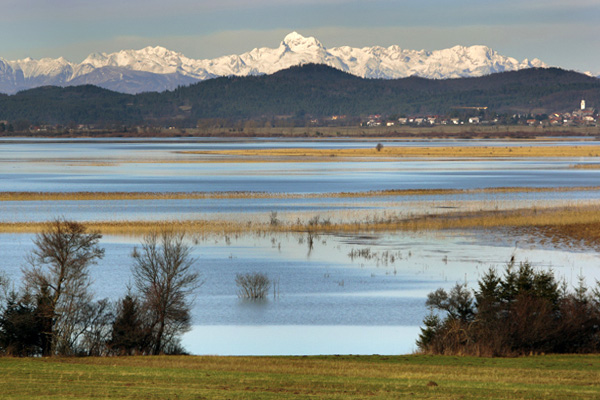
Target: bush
<point>252,286</point>
<point>21,328</point>
<point>129,333</point>
<point>522,312</point>
<point>273,220</point>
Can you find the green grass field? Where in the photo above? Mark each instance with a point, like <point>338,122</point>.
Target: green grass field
<point>331,377</point>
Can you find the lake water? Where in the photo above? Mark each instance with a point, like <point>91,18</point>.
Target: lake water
<point>103,165</point>
<point>288,209</point>
<point>328,302</point>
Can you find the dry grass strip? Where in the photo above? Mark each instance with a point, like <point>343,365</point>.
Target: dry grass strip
<point>387,153</point>
<point>108,196</point>
<point>567,224</point>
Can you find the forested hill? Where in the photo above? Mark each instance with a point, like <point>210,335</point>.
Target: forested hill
<point>314,90</point>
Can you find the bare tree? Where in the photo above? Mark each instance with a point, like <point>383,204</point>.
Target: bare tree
<point>58,276</point>
<point>164,275</point>
<point>253,286</point>
<point>5,289</point>
<point>95,328</point>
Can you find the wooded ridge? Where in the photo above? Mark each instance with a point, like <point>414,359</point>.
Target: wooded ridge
<point>303,92</point>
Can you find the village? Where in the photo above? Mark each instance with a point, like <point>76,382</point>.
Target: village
<point>583,116</point>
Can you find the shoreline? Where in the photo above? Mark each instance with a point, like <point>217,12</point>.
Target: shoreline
<point>316,132</point>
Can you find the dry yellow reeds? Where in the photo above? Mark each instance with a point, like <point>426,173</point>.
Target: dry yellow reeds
<point>585,166</point>
<point>578,223</point>
<point>111,196</point>
<point>138,228</point>
<point>387,153</point>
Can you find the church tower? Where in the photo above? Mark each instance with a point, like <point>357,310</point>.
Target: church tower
<point>582,105</point>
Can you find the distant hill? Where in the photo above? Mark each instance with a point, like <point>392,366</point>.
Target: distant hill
<point>312,89</point>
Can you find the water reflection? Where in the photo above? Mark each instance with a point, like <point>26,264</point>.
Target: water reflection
<point>93,165</point>
<point>329,302</point>
<point>289,210</point>
<point>272,340</point>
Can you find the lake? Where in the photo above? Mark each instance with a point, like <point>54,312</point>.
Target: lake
<point>129,165</point>
<point>324,292</point>
<point>328,302</point>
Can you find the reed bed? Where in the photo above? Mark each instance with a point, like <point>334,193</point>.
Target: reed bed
<point>109,196</point>
<point>140,228</point>
<point>569,224</point>
<point>387,153</point>
<point>585,166</point>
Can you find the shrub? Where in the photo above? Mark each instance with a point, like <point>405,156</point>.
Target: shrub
<point>273,220</point>
<point>252,286</point>
<point>522,312</point>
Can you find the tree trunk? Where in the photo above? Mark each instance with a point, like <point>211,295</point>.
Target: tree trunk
<point>159,335</point>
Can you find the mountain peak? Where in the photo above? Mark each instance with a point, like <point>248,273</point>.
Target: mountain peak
<point>295,41</point>
<point>157,50</point>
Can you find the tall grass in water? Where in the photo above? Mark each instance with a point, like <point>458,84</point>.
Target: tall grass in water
<point>108,196</point>
<point>575,222</point>
<point>370,154</point>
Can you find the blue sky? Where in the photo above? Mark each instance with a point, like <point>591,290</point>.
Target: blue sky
<point>564,33</point>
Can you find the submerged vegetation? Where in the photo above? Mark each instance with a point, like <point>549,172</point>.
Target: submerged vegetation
<point>577,225</point>
<point>387,153</point>
<point>109,196</point>
<point>252,285</point>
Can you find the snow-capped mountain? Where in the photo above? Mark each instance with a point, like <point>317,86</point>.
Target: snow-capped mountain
<point>159,69</point>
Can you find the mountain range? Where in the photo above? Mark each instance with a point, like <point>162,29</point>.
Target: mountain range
<point>156,69</point>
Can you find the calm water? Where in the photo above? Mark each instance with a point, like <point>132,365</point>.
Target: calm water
<point>328,302</point>
<point>290,177</point>
<point>94,166</point>
<point>290,209</point>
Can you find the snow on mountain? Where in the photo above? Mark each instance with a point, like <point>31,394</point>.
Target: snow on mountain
<point>159,69</point>
<point>128,81</point>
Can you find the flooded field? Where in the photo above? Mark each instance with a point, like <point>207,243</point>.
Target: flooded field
<point>357,286</point>
<point>137,166</point>
<point>358,292</point>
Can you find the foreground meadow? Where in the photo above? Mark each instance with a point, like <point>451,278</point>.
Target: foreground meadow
<point>332,377</point>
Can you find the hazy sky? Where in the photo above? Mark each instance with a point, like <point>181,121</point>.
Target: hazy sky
<point>563,33</point>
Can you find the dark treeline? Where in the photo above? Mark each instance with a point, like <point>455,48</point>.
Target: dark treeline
<point>520,312</point>
<point>302,93</point>
<point>54,312</point>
